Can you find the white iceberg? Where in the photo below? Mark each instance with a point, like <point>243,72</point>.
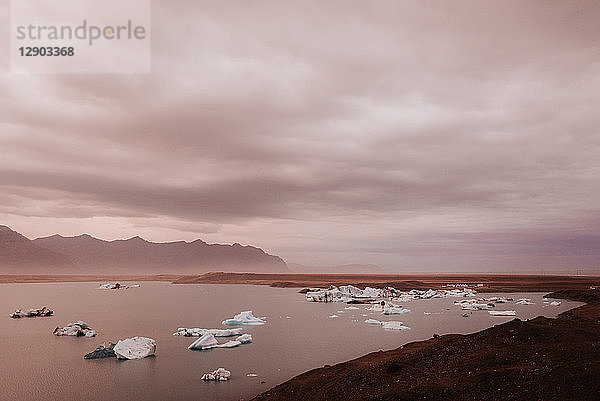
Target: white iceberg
<point>525,301</point>
<point>333,316</point>
<point>393,310</point>
<point>243,318</point>
<point>502,313</point>
<point>244,338</point>
<point>197,332</point>
<point>135,348</point>
<point>555,303</point>
<point>394,326</point>
<point>209,341</point>
<point>373,321</point>
<point>220,374</point>
<point>77,329</point>
<point>351,308</point>
<point>229,344</point>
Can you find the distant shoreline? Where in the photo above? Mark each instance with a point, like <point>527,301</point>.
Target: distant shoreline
<point>481,282</point>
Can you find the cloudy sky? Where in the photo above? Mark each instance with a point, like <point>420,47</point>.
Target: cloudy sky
<point>417,135</point>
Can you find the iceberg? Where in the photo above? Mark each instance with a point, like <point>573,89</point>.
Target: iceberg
<point>394,326</point>
<point>243,318</point>
<point>103,351</point>
<point>116,286</point>
<point>220,374</point>
<point>502,313</point>
<point>229,344</point>
<point>208,341</point>
<point>373,321</point>
<point>333,316</point>
<point>351,308</point>
<point>244,339</point>
<point>77,329</point>
<point>393,310</point>
<point>197,332</point>
<point>135,348</point>
<point>555,303</point>
<point>524,301</point>
<point>43,311</point>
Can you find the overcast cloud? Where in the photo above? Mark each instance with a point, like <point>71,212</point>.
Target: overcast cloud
<point>415,135</point>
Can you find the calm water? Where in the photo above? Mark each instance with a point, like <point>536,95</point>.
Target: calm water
<point>36,365</point>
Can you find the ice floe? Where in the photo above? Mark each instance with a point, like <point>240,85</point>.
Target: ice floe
<point>220,374</point>
<point>243,318</point>
<point>394,310</point>
<point>103,351</point>
<point>394,326</point>
<point>197,332</point>
<point>352,294</point>
<point>43,311</point>
<point>502,313</point>
<point>116,286</point>
<point>208,341</point>
<point>77,329</point>
<point>555,303</point>
<point>135,348</point>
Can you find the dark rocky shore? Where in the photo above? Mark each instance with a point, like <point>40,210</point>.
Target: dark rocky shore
<point>539,359</point>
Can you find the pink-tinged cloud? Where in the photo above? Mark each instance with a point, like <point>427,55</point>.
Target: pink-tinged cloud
<point>415,135</point>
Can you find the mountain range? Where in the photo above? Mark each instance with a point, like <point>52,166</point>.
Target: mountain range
<point>84,254</point>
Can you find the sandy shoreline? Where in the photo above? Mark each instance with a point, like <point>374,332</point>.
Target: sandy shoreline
<point>481,282</point>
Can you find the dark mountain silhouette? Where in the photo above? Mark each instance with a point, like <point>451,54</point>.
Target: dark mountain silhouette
<point>86,254</point>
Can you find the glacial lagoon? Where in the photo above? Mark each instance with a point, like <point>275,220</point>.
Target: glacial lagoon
<point>298,336</point>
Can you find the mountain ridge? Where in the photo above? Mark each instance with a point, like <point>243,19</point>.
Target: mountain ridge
<point>86,254</point>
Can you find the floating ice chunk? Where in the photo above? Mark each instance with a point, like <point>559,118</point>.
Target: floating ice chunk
<point>333,316</point>
<point>77,329</point>
<point>241,318</point>
<point>229,344</point>
<point>244,339</point>
<point>351,308</point>
<point>351,290</point>
<point>373,321</point>
<point>207,341</point>
<point>107,286</point>
<point>196,332</point>
<point>555,303</point>
<point>135,348</point>
<point>502,313</point>
<point>103,351</point>
<point>525,301</point>
<point>251,375</point>
<point>393,310</point>
<point>43,311</point>
<point>369,292</point>
<point>116,286</point>
<point>220,374</point>
<point>395,326</point>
